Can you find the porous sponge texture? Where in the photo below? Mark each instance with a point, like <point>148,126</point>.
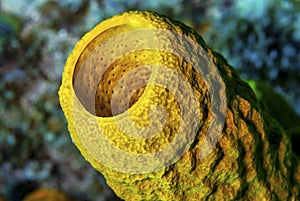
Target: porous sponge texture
<point>240,167</point>
<point>86,59</point>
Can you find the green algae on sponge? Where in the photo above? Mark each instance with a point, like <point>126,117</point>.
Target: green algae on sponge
<point>153,121</point>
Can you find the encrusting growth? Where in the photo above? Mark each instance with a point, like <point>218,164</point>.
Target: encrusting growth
<point>252,159</point>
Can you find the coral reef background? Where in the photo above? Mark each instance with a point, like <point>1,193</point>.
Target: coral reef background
<point>261,39</point>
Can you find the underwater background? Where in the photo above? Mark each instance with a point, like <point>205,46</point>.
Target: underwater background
<point>261,39</point>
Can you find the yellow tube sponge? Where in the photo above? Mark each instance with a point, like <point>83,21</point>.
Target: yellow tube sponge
<point>130,95</point>
<point>163,117</point>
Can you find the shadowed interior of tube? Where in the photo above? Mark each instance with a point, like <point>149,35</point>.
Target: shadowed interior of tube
<point>119,87</point>
<point>98,72</point>
<point>111,72</point>
<point>122,84</point>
